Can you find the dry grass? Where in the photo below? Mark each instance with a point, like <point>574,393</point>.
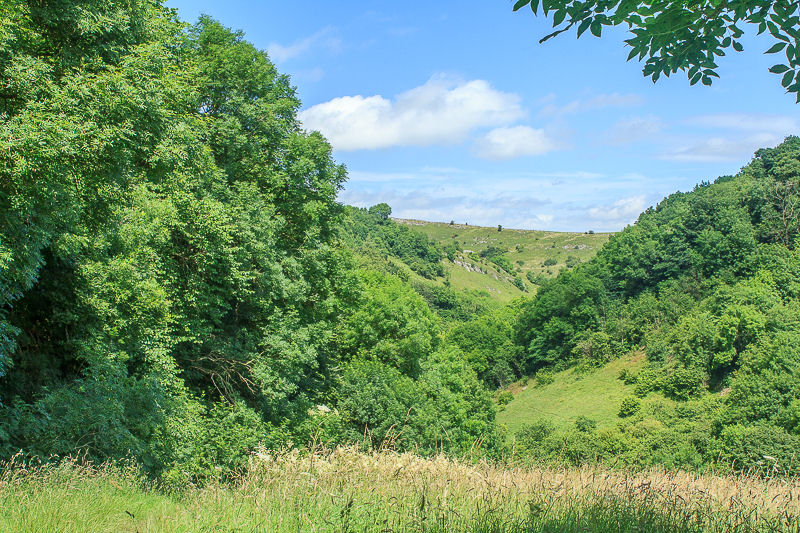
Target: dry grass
<point>346,490</point>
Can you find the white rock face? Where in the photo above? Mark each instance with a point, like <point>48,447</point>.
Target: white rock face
<point>469,267</point>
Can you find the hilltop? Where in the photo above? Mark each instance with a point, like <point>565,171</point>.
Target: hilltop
<point>534,255</point>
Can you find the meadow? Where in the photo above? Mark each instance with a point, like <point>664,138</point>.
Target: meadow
<point>569,394</point>
<point>347,490</point>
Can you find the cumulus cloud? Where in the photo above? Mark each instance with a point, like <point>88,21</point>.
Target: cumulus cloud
<point>513,142</point>
<point>633,129</point>
<point>324,38</point>
<point>442,111</point>
<point>623,211</point>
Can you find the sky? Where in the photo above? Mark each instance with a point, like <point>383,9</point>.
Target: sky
<point>454,111</point>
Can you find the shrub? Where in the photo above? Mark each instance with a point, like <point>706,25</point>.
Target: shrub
<point>585,424</point>
<point>545,377</point>
<point>629,406</point>
<point>627,376</point>
<point>530,436</point>
<point>684,382</point>
<point>504,398</point>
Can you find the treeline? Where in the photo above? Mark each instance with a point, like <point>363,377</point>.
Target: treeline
<point>371,230</point>
<point>706,284</point>
<point>174,281</point>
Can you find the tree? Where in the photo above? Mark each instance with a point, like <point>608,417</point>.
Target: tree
<point>686,35</point>
<point>381,210</point>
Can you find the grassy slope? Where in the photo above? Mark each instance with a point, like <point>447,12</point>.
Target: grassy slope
<point>536,247</point>
<point>596,395</point>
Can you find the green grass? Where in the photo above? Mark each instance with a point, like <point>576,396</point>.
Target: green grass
<point>596,395</point>
<point>531,248</point>
<point>347,491</point>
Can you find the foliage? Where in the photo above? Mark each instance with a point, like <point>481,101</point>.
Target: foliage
<point>454,305</point>
<point>446,409</point>
<point>629,406</point>
<point>169,239</point>
<point>686,36</point>
<point>374,229</point>
<point>488,345</point>
<point>390,323</point>
<point>705,285</point>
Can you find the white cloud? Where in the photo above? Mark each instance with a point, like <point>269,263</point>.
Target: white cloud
<point>358,176</point>
<point>754,122</point>
<point>716,149</point>
<point>600,101</point>
<point>442,111</point>
<point>738,135</point>
<point>324,38</point>
<point>623,211</point>
<point>513,142</point>
<point>633,129</point>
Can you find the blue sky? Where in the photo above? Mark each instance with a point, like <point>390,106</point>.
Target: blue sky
<point>453,111</point>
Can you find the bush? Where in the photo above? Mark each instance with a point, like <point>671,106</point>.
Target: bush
<point>585,424</point>
<point>627,376</point>
<point>684,382</point>
<point>629,407</point>
<point>531,436</point>
<point>504,398</point>
<point>545,377</point>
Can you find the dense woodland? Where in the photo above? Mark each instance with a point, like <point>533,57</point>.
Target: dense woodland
<point>180,286</point>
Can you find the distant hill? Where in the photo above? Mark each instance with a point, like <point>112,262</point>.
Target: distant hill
<point>531,254</point>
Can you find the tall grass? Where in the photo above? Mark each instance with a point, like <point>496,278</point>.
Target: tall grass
<point>348,491</point>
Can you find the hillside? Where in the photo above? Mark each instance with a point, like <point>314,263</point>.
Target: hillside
<point>564,396</point>
<point>705,285</point>
<point>533,254</point>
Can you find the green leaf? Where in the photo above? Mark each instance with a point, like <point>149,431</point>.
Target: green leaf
<point>520,4</point>
<point>775,48</point>
<point>596,28</point>
<point>559,17</point>
<point>787,78</point>
<point>778,69</point>
<point>706,80</point>
<point>584,26</point>
<point>738,46</point>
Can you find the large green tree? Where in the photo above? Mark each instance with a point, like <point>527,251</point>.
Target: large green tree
<point>168,249</point>
<point>685,35</point>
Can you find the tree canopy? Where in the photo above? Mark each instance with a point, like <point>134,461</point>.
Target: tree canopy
<point>685,35</point>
